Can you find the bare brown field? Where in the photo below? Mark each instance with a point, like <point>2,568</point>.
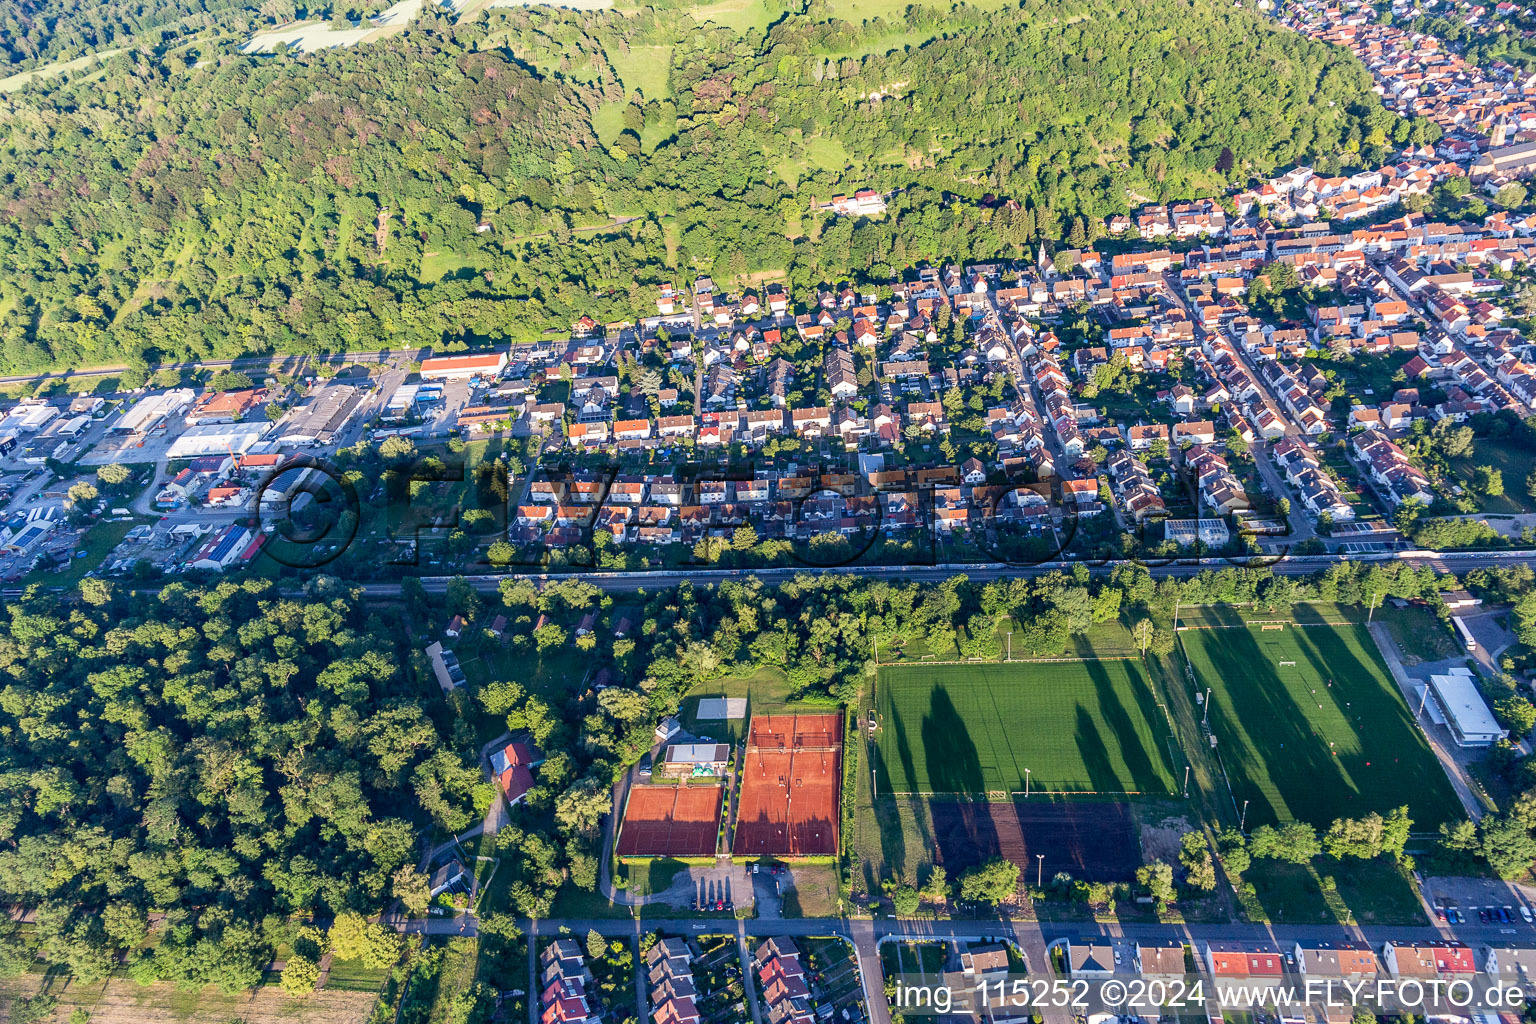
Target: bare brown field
<point>119,1001</point>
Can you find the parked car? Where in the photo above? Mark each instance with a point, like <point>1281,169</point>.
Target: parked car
<point>1525,912</point>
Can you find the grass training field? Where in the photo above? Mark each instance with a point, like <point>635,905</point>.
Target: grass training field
<point>1078,727</point>
<point>1329,736</point>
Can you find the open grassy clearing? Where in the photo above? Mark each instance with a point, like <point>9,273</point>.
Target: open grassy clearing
<point>1328,891</point>
<point>1095,728</point>
<point>767,691</point>
<point>1311,727</point>
<point>651,876</point>
<point>739,15</point>
<point>608,122</point>
<point>124,1002</point>
<point>1515,461</point>
<point>437,265</point>
<point>1419,634</point>
<point>815,892</point>
<point>16,81</point>
<point>821,153</point>
<point>644,68</point>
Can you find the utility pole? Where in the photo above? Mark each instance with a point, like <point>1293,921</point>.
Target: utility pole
<point>1206,721</point>
<point>1242,822</point>
<point>1026,783</point>
<point>1186,782</point>
<point>1039,870</point>
<point>1371,614</point>
<point>1010,645</point>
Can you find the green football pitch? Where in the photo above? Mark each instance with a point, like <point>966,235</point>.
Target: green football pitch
<point>1310,726</point>
<point>1078,727</point>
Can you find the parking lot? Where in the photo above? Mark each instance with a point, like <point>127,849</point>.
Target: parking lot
<point>150,447</point>
<point>444,416</point>
<point>1482,901</point>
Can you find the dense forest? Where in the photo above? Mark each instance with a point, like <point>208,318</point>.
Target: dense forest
<point>217,758</point>
<point>162,208</point>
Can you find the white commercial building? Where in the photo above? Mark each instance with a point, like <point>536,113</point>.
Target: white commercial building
<point>403,401</point>
<point>217,439</point>
<point>151,411</point>
<point>1454,699</point>
<point>28,417</point>
<point>463,367</point>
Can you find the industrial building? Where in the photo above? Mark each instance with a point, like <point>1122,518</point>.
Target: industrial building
<point>217,439</point>
<point>28,537</point>
<point>50,443</point>
<point>226,406</point>
<point>402,404</point>
<point>226,547</point>
<point>153,411</point>
<point>28,417</point>
<point>463,367</point>
<point>321,417</point>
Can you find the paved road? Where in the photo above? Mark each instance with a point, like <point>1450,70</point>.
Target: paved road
<point>621,582</point>
<point>242,362</point>
<point>1033,937</point>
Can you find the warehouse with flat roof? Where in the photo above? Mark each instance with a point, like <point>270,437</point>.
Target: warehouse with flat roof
<point>225,548</point>
<point>217,439</point>
<point>463,367</point>
<point>321,418</point>
<point>152,411</point>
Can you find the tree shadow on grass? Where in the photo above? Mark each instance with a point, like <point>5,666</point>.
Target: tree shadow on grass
<point>1145,776</point>
<point>1274,756</point>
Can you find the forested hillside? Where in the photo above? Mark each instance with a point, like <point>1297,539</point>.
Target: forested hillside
<point>160,211</point>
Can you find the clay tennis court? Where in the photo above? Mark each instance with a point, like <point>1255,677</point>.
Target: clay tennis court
<point>789,786</point>
<point>671,821</point>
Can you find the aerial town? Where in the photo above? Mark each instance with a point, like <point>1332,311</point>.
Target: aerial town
<point>793,513</point>
<point>1139,391</point>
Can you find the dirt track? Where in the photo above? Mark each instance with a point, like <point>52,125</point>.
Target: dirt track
<point>1090,840</point>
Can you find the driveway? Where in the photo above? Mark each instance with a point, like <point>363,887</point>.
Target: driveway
<point>1300,521</point>
<point>1492,637</point>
